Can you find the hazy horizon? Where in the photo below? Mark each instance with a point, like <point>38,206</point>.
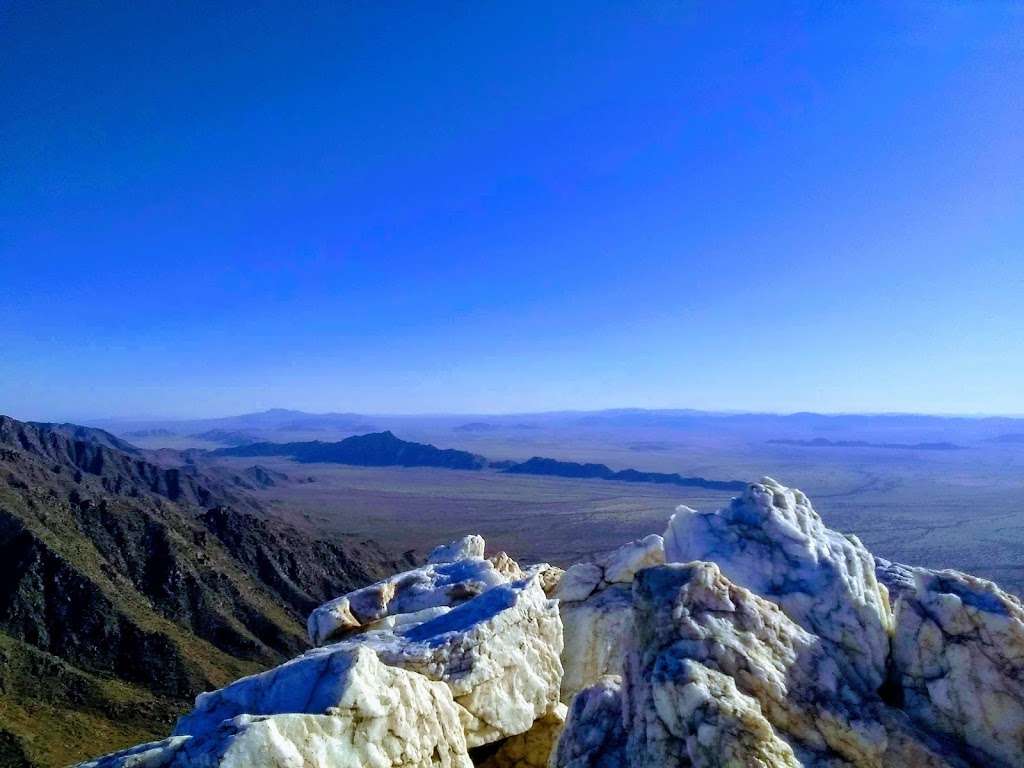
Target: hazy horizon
<point>156,417</point>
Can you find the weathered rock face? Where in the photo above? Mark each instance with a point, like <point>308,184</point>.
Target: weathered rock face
<point>771,541</point>
<point>772,645</point>
<point>714,664</point>
<point>596,632</point>
<point>471,546</point>
<point>958,653</point>
<point>357,711</point>
<point>615,567</point>
<point>712,723</point>
<point>596,605</point>
<point>435,585</point>
<point>499,654</point>
<point>594,735</point>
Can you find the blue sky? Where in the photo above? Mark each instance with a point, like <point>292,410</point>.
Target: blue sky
<point>490,207</point>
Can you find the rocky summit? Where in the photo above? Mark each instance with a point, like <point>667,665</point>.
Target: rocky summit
<point>749,636</point>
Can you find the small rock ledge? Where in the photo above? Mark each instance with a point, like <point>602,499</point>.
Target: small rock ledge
<point>750,636</point>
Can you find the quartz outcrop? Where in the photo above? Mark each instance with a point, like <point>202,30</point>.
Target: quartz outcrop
<point>771,541</point>
<point>749,636</point>
<point>958,657</point>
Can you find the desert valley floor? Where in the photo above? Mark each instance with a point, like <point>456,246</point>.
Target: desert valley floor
<point>961,509</point>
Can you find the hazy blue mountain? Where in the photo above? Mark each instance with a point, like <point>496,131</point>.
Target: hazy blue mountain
<point>1012,438</point>
<point>821,442</point>
<point>226,436</point>
<point>539,465</point>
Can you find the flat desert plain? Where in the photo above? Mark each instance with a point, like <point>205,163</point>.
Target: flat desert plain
<point>959,509</point>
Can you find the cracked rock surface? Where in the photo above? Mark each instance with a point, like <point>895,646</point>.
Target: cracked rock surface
<point>959,653</point>
<point>785,691</point>
<point>596,605</point>
<point>433,586</point>
<point>771,541</point>
<point>357,711</point>
<point>594,735</point>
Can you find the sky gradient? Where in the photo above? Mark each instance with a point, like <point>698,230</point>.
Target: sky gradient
<point>491,207</point>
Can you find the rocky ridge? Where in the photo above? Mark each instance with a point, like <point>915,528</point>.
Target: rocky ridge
<point>749,636</point>
<point>128,586</point>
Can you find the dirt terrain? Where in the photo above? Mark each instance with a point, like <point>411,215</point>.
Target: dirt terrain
<point>957,509</point>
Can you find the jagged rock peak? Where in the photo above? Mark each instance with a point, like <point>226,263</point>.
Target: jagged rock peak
<point>771,541</point>
<point>471,546</point>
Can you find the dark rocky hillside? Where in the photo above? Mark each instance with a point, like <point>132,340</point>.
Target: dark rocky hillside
<point>127,587</point>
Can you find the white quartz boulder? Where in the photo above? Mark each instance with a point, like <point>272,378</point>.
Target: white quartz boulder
<point>497,656</point>
<point>771,541</point>
<point>694,628</point>
<point>617,566</point>
<point>498,653</point>
<point>432,586</point>
<point>959,656</point>
<point>714,724</point>
<point>550,576</point>
<point>596,605</point>
<point>337,708</point>
<point>471,546</point>
<point>596,633</point>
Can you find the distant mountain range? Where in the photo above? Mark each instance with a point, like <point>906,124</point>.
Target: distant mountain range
<point>641,425</point>
<point>225,436</point>
<point>378,449</point>
<point>821,442</point>
<point>158,432</point>
<point>384,449</point>
<point>1013,438</point>
<point>486,426</point>
<point>541,466</point>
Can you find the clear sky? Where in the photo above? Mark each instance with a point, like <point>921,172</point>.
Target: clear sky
<point>213,208</point>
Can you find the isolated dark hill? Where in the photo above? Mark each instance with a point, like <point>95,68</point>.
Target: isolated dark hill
<point>377,449</point>
<point>539,465</point>
<point>127,587</point>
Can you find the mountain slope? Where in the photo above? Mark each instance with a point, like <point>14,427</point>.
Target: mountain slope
<point>140,584</point>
